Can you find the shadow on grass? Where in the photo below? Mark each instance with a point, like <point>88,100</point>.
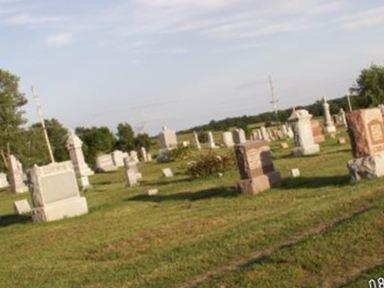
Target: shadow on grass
<point>220,192</point>
<point>315,182</point>
<point>166,181</point>
<point>11,219</point>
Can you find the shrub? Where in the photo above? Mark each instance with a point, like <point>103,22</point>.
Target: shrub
<point>209,164</point>
<point>203,137</point>
<point>179,153</point>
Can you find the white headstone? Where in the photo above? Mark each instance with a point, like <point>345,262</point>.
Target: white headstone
<point>303,136</point>
<point>343,117</point>
<point>167,172</point>
<point>152,192</point>
<point>144,154</point>
<point>295,173</point>
<point>329,126</point>
<point>118,158</point>
<point>167,139</point>
<point>55,194</point>
<point>3,181</point>
<point>74,146</point>
<point>239,136</point>
<point>134,156</point>
<point>264,134</point>
<point>16,175</point>
<point>105,163</point>
<point>197,142</point>
<point>211,142</point>
<point>22,207</point>
<point>228,139</point>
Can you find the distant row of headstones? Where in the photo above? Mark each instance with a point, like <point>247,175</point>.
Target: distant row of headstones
<point>55,192</point>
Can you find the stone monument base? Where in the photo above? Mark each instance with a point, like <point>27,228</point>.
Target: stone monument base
<point>259,184</point>
<point>309,150</point>
<point>330,129</point>
<point>67,208</point>
<point>366,167</point>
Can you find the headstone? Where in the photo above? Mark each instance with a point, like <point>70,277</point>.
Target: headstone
<point>228,139</point>
<point>131,173</point>
<point>167,172</point>
<point>55,194</point>
<point>317,131</point>
<point>22,207</point>
<point>366,131</point>
<point>197,142</point>
<point>186,144</point>
<point>341,140</point>
<point>295,173</point>
<point>134,156</point>
<point>239,136</point>
<point>118,158</point>
<point>329,126</point>
<point>144,154</point>
<point>304,144</point>
<point>290,132</point>
<point>105,163</point>
<point>152,192</point>
<point>211,142</point>
<point>74,146</point>
<point>264,134</point>
<point>3,181</point>
<point>16,175</point>
<point>167,139</point>
<point>149,157</point>
<point>254,160</point>
<point>343,117</point>
<point>284,145</point>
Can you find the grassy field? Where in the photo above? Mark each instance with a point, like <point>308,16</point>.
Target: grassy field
<point>314,231</point>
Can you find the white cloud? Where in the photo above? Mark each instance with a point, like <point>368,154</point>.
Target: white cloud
<point>60,39</point>
<point>364,19</point>
<point>24,19</point>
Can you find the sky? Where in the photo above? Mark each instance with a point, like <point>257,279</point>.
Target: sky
<point>182,63</point>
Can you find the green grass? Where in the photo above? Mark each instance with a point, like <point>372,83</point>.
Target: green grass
<point>313,231</point>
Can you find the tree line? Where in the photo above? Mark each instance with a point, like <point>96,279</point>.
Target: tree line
<point>367,92</point>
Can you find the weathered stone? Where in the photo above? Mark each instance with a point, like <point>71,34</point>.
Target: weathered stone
<point>284,145</point>
<point>118,158</point>
<point>55,194</point>
<point>341,140</point>
<point>254,160</point>
<point>329,126</point>
<point>239,136</point>
<point>318,136</point>
<point>295,173</point>
<point>144,154</point>
<point>228,139</point>
<point>368,167</point>
<point>366,131</point>
<point>105,163</point>
<point>152,192</point>
<point>3,181</point>
<point>300,120</point>
<point>74,146</point>
<point>22,207</point>
<point>167,139</point>
<point>197,142</point>
<point>16,175</point>
<point>211,141</point>
<point>264,134</point>
<point>167,172</point>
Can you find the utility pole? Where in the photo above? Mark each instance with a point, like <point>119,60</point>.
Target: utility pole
<point>40,114</point>
<point>274,101</point>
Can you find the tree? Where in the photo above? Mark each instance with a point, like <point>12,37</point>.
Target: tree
<point>11,114</point>
<point>58,135</point>
<point>143,140</point>
<point>370,87</point>
<point>96,140</point>
<point>126,137</point>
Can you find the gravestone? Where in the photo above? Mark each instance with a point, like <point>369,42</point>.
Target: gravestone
<point>167,139</point>
<point>16,175</point>
<point>186,144</point>
<point>284,145</point>
<point>105,163</point>
<point>22,207</point>
<point>211,142</point>
<point>257,172</point>
<point>295,173</point>
<point>239,136</point>
<point>55,194</point>
<point>197,142</point>
<point>341,140</point>
<point>3,181</point>
<point>329,126</point>
<point>149,157</point>
<point>167,172</point>
<point>144,154</point>
<point>264,134</point>
<point>343,118</point>
<point>132,174</point>
<point>366,132</point>
<point>74,146</point>
<point>228,139</point>
<point>152,192</point>
<point>317,131</point>
<point>118,158</point>
<point>133,154</point>
<point>300,120</point>
<point>290,132</point>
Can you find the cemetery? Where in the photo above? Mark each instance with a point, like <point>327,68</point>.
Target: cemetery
<point>162,154</point>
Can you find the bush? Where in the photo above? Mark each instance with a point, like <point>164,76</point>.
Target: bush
<point>203,137</point>
<point>209,164</point>
<point>179,153</point>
